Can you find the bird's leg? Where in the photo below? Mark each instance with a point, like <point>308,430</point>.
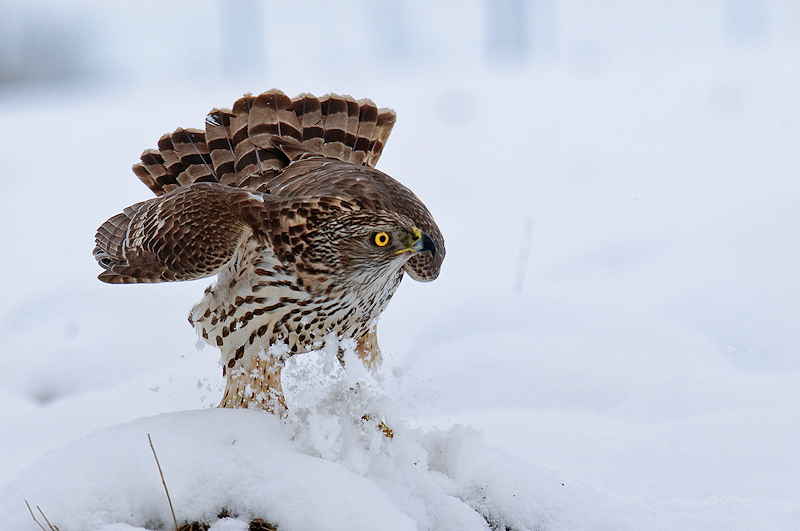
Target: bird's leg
<point>368,351</point>
<point>256,383</point>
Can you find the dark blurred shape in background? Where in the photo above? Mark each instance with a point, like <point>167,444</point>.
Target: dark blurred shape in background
<point>38,46</point>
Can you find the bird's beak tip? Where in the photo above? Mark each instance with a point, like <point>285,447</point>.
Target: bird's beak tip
<point>425,243</point>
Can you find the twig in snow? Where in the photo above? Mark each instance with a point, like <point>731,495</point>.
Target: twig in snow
<point>174,520</point>
<point>34,516</point>
<point>51,526</point>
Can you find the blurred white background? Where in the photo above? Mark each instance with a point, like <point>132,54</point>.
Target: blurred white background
<point>617,183</point>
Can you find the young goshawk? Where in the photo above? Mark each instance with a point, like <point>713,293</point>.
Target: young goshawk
<point>278,197</point>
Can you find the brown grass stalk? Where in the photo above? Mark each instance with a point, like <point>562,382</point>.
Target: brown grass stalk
<point>174,520</point>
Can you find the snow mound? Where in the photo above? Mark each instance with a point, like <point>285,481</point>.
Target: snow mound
<point>343,459</point>
<point>251,465</point>
<point>329,465</point>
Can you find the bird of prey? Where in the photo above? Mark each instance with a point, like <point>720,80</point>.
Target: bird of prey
<point>278,197</point>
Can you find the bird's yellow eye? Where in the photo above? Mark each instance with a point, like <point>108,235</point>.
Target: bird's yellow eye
<point>382,239</point>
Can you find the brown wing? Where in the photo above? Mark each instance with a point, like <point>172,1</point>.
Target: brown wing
<point>188,233</point>
<point>194,231</point>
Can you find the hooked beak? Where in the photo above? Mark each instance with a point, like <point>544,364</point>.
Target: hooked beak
<point>422,243</point>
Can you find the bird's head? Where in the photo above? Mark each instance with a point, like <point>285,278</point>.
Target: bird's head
<point>367,246</point>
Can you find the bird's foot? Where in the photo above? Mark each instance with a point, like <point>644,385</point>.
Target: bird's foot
<point>380,425</point>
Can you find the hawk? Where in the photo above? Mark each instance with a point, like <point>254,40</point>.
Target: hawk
<point>278,197</point>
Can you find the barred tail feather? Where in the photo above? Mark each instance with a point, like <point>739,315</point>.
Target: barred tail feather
<point>309,111</point>
<point>384,125</point>
<point>251,144</point>
<point>190,156</point>
<point>154,173</point>
<point>272,116</point>
<point>367,120</point>
<point>220,145</point>
<point>351,137</point>
<point>334,123</point>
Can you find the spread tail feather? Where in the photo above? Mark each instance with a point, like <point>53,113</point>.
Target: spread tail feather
<point>249,145</point>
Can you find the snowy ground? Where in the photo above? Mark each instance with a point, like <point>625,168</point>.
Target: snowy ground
<point>616,318</point>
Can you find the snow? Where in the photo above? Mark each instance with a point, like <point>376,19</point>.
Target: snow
<point>323,468</point>
<point>612,343</point>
